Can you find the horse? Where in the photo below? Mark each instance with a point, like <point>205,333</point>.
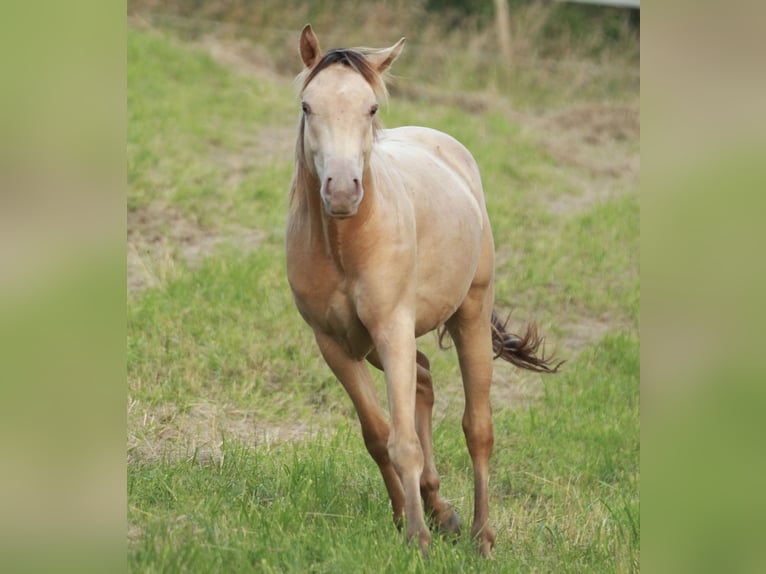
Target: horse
<point>387,239</point>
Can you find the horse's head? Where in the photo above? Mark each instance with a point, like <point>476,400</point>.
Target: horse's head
<point>340,101</point>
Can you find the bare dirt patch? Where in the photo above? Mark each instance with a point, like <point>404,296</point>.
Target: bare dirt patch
<point>600,138</point>
<point>597,146</point>
<point>159,237</point>
<point>598,124</point>
<point>199,431</point>
<point>243,57</point>
<point>470,102</point>
<point>584,331</point>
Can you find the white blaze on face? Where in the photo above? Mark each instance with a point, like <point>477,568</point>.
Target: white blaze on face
<point>339,107</point>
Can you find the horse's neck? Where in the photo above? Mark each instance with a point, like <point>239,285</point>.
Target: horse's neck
<point>332,236</point>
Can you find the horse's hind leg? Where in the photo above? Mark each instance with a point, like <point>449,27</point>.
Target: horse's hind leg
<point>470,330</point>
<point>442,514</point>
<point>356,379</point>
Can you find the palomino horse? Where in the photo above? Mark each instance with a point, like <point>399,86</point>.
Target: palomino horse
<point>388,238</point>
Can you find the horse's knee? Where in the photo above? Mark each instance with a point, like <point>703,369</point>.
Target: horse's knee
<point>406,454</point>
<point>378,451</point>
<point>479,436</point>
<point>425,389</point>
<point>429,483</point>
<point>429,490</point>
<point>376,442</point>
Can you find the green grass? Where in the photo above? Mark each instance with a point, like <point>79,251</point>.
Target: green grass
<point>183,107</point>
<point>564,493</point>
<point>244,453</point>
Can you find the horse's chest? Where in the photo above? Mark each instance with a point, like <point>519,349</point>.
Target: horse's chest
<point>328,307</point>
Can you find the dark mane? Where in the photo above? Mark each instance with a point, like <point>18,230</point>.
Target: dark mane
<point>353,59</point>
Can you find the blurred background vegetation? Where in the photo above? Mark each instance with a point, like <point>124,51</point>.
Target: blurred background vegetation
<point>558,52</point>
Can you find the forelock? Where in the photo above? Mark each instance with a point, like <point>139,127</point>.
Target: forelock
<point>353,59</point>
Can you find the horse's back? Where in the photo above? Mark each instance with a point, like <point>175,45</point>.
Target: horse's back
<point>451,164</point>
<point>441,179</point>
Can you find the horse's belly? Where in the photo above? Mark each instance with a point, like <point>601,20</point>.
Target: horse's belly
<point>447,265</point>
<point>436,315</point>
<point>441,291</point>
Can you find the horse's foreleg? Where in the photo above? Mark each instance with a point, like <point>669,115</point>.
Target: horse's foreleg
<point>470,330</point>
<point>439,509</point>
<point>395,345</point>
<point>445,518</point>
<point>355,378</point>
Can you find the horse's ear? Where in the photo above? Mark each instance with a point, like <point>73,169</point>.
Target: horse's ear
<point>310,51</point>
<point>382,59</point>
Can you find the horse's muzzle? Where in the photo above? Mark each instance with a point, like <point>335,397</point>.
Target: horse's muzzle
<point>341,196</point>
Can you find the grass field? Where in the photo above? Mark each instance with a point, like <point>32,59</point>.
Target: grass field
<point>244,453</point>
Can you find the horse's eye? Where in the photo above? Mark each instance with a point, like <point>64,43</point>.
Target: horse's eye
<point>373,110</point>
<point>306,108</point>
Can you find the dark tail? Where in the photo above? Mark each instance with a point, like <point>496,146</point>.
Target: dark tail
<point>522,351</point>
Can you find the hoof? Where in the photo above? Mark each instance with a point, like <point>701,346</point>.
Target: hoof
<point>485,548</point>
<point>450,526</point>
<point>485,541</point>
<point>423,539</point>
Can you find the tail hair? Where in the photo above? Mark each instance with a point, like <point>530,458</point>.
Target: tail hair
<point>522,351</point>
